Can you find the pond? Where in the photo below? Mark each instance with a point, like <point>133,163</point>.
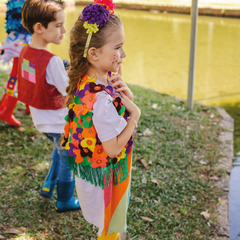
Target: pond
<point>157,47</point>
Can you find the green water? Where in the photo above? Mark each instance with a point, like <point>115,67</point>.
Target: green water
<point>157,47</point>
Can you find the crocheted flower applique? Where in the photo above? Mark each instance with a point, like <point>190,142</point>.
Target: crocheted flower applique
<point>87,120</point>
<point>128,145</point>
<point>88,143</point>
<point>94,88</point>
<point>99,152</point>
<point>99,162</point>
<point>78,135</point>
<point>121,155</point>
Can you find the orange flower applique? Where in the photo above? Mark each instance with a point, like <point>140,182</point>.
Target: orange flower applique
<point>89,99</point>
<point>99,162</point>
<point>79,158</point>
<point>78,109</point>
<point>89,132</point>
<point>99,152</point>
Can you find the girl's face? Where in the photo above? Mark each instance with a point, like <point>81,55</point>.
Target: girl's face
<point>111,54</point>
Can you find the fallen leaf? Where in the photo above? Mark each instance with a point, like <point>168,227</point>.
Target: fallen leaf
<point>202,127</point>
<point>188,128</point>
<point>21,129</point>
<point>197,232</point>
<point>205,214</point>
<point>139,199</point>
<point>162,130</point>
<point>134,168</point>
<point>33,138</point>
<point>144,163</point>
<point>24,186</point>
<point>214,178</point>
<point>146,219</point>
<point>10,143</point>
<point>13,231</point>
<point>212,115</point>
<point>154,181</point>
<point>147,132</point>
<point>150,162</point>
<point>154,106</point>
<point>161,216</point>
<point>203,162</point>
<point>144,180</point>
<point>205,109</point>
<point>155,201</point>
<point>221,201</point>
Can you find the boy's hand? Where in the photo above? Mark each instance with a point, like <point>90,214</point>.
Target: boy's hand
<point>120,85</point>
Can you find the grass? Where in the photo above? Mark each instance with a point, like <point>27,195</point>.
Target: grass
<point>170,191</point>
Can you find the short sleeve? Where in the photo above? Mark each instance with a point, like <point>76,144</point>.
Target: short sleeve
<point>106,119</point>
<point>56,74</point>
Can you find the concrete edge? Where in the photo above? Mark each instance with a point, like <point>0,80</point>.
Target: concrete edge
<point>224,162</point>
<point>171,9</point>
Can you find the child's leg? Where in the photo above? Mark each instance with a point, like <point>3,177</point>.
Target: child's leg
<point>9,101</point>
<point>66,182</point>
<point>52,175</point>
<point>111,236</point>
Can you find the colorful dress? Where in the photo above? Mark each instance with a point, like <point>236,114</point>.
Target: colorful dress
<point>102,183</point>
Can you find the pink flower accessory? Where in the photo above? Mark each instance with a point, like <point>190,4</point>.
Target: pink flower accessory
<point>110,5</point>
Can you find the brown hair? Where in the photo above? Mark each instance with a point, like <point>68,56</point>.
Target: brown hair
<point>42,11</point>
<point>80,65</point>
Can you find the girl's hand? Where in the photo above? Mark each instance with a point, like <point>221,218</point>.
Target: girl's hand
<point>131,107</point>
<point>120,85</point>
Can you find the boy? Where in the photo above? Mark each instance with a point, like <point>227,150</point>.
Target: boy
<point>42,84</point>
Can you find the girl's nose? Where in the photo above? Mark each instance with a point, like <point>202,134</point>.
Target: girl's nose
<point>63,29</point>
<point>123,55</point>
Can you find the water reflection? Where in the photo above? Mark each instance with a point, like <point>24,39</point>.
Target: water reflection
<point>157,47</point>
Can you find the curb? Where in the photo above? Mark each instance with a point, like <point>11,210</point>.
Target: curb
<point>224,162</point>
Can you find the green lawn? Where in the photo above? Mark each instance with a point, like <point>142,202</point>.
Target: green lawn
<point>170,185</point>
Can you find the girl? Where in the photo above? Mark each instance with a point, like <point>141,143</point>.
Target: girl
<point>101,119</point>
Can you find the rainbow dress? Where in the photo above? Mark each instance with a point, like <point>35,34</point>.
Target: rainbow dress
<point>102,183</point>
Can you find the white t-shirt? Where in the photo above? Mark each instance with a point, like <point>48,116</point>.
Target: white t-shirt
<point>52,121</point>
<point>106,120</point>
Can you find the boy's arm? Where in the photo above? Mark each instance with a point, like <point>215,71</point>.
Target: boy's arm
<point>56,74</point>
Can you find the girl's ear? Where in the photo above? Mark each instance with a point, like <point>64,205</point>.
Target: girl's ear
<point>37,28</point>
<point>93,54</point>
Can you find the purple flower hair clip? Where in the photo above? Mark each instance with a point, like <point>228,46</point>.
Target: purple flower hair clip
<point>95,16</point>
<point>95,13</point>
